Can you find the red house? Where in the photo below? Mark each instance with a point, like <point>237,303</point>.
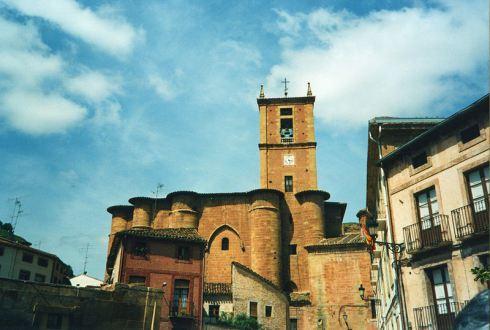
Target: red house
<point>171,259</point>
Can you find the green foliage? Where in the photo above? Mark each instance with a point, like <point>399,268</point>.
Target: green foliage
<point>240,321</point>
<point>7,227</point>
<point>481,274</point>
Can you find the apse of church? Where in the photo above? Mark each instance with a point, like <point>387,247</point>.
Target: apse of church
<point>261,243</point>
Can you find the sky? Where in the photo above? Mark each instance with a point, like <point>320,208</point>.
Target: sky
<point>101,101</point>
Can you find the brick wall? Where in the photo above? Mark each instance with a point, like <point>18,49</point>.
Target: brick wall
<point>335,277</point>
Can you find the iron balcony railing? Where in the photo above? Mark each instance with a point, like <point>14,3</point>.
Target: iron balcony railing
<point>437,317</point>
<point>430,232</point>
<point>182,309</point>
<point>287,140</point>
<point>471,219</point>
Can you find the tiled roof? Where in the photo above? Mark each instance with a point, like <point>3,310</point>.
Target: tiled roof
<point>299,298</point>
<point>217,289</point>
<point>350,240</point>
<point>444,125</point>
<point>177,234</point>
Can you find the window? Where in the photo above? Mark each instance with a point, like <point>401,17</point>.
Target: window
<point>225,244</point>
<point>183,253</point>
<point>479,186</point>
<point>181,293</point>
<point>442,290</point>
<point>293,324</point>
<point>214,311</point>
<point>140,249</point>
<point>419,160</point>
<point>24,275</point>
<point>428,208</point>
<point>253,309</point>
<point>39,278</point>
<point>43,262</point>
<point>54,321</point>
<point>268,311</point>
<point>27,257</point>
<point>373,308</point>
<point>286,111</point>
<point>134,279</point>
<point>286,130</point>
<point>470,133</point>
<point>288,183</point>
<point>292,249</point>
<point>1,250</point>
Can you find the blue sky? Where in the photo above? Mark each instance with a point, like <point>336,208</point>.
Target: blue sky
<point>102,100</point>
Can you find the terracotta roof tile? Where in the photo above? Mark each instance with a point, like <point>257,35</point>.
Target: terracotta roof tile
<point>217,288</point>
<point>177,234</point>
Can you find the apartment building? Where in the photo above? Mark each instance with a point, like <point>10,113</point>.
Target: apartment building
<point>385,134</point>
<point>437,188</point>
<point>19,261</point>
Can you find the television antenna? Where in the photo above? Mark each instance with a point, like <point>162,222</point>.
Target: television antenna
<point>17,212</point>
<point>85,259</point>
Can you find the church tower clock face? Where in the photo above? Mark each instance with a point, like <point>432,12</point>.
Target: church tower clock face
<point>288,160</point>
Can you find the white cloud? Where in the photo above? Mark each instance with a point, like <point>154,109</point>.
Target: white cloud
<point>93,85</point>
<point>400,63</point>
<point>28,69</point>
<point>102,29</point>
<point>161,87</point>
<point>36,113</point>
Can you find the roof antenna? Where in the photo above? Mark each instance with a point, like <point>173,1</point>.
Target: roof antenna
<point>261,95</point>
<point>309,93</point>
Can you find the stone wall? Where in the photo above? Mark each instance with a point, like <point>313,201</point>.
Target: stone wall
<point>27,305</point>
<point>248,286</point>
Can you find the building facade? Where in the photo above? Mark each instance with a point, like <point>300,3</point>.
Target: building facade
<point>386,134</point>
<point>18,260</point>
<point>274,252</point>
<point>170,259</point>
<point>437,203</point>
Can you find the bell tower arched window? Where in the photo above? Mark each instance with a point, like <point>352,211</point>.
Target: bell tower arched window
<point>225,244</point>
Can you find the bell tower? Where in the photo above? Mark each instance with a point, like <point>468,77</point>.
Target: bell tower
<point>287,142</point>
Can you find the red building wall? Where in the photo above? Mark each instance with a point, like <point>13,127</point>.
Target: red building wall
<point>160,265</point>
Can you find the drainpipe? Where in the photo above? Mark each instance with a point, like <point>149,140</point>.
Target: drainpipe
<point>384,192</point>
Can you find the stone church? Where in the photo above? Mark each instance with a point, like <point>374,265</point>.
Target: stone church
<point>278,253</point>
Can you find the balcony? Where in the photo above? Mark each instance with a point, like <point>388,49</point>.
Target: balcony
<point>429,233</point>
<point>287,140</point>
<point>471,219</point>
<point>437,317</point>
<point>182,309</point>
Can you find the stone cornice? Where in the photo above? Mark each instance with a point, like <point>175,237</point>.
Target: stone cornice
<point>287,145</point>
<point>286,100</point>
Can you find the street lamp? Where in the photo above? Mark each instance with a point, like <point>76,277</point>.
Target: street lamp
<point>370,228</point>
<point>345,320</point>
<point>361,292</point>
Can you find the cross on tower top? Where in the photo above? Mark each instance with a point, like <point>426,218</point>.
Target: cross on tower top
<point>285,82</point>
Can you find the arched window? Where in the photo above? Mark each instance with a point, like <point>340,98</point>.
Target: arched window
<point>225,243</point>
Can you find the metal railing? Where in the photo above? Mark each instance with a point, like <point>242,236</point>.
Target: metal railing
<point>182,309</point>
<point>437,317</point>
<point>430,232</point>
<point>471,219</point>
<point>287,140</point>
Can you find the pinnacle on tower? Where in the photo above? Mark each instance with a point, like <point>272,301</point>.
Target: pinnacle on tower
<point>309,93</point>
<point>261,95</point>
